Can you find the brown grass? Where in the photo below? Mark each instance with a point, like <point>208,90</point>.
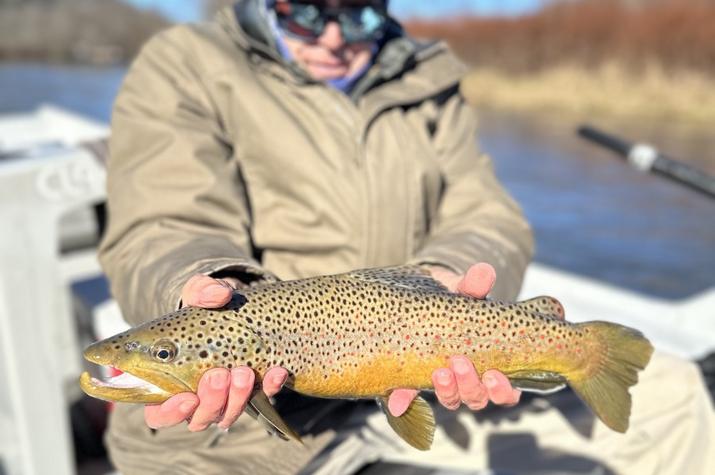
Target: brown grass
<point>607,91</point>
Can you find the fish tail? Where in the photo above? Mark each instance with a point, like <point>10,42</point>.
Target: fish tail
<point>604,386</point>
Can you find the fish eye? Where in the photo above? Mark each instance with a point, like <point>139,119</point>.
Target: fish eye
<point>164,351</point>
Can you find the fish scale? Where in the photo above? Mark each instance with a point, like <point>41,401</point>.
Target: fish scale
<point>365,333</point>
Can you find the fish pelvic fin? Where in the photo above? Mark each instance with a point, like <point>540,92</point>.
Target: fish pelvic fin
<point>416,426</point>
<point>260,408</point>
<point>604,388</point>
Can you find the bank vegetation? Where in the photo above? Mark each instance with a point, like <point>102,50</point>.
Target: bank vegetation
<point>74,31</point>
<point>647,58</point>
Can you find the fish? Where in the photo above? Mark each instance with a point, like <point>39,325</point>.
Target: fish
<point>361,335</point>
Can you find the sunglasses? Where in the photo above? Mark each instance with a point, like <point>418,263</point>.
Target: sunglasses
<point>307,20</point>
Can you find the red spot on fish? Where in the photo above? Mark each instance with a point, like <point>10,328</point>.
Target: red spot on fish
<point>558,347</point>
<point>496,341</point>
<point>407,337</point>
<point>437,337</point>
<point>468,342</point>
<point>541,336</point>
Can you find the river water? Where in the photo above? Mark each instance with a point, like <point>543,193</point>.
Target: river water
<point>591,214</point>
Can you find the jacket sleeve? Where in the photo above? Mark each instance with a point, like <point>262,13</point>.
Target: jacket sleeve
<point>176,200</point>
<point>477,220</point>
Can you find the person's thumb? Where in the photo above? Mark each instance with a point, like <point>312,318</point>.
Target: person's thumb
<point>207,292</point>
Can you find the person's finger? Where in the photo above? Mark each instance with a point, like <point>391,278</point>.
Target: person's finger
<point>500,389</point>
<point>478,281</point>
<point>273,380</point>
<point>206,292</point>
<point>400,401</point>
<point>171,412</point>
<point>471,390</point>
<point>445,387</point>
<point>212,392</point>
<point>242,380</point>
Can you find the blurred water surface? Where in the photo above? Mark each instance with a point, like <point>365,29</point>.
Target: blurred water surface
<point>591,214</point>
<point>594,215</point>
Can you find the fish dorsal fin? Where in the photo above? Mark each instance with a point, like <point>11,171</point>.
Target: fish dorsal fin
<point>416,426</point>
<point>544,305</point>
<point>260,408</point>
<point>410,276</point>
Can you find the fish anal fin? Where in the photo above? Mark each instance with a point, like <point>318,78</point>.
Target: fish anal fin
<point>540,382</point>
<point>262,410</point>
<point>544,305</point>
<point>416,426</point>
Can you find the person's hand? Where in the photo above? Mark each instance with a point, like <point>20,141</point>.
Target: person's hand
<point>222,395</point>
<point>460,383</point>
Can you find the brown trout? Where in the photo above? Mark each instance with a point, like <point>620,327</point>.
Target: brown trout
<point>364,333</point>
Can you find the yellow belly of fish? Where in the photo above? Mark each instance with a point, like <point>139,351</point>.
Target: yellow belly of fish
<point>370,378</point>
<point>367,378</point>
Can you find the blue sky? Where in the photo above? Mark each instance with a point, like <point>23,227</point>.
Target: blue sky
<point>190,10</point>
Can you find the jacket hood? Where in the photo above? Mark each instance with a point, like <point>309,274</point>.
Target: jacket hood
<point>397,53</point>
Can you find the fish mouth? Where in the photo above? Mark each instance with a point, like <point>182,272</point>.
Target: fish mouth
<point>123,388</point>
<point>137,385</point>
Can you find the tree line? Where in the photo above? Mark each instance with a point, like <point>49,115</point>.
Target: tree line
<point>81,31</point>
<point>675,34</point>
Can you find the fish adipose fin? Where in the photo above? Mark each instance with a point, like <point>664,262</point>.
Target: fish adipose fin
<point>604,388</point>
<point>416,426</point>
<point>543,305</point>
<point>261,409</point>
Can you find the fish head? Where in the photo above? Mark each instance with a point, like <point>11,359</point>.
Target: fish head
<point>160,358</point>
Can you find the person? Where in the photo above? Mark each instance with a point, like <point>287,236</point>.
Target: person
<point>289,139</point>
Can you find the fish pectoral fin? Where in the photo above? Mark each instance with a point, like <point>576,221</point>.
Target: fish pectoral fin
<point>261,409</point>
<point>544,305</point>
<point>416,426</point>
<point>539,382</point>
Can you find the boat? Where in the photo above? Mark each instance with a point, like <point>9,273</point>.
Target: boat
<point>52,176</point>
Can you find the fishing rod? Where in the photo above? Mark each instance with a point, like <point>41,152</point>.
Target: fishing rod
<point>647,158</point>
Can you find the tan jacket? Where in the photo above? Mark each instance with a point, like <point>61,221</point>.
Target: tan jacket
<point>224,158</point>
